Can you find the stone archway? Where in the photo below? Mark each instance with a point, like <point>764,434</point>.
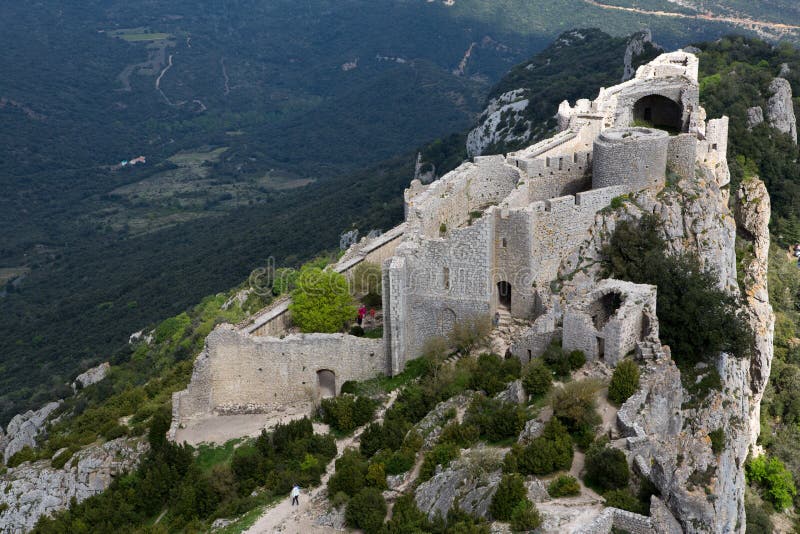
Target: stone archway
<point>504,295</point>
<point>326,382</point>
<point>660,112</point>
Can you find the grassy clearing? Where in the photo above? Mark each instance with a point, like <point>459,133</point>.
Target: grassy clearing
<point>139,35</point>
<point>209,456</point>
<point>248,519</point>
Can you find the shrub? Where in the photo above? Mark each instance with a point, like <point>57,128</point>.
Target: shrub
<point>625,500</point>
<point>442,454</point>
<point>61,460</point>
<point>773,477</point>
<point>26,454</point>
<point>606,468</point>
<point>576,359</point>
<point>376,476</point>
<point>350,475</point>
<point>550,452</point>
<point>400,461</point>
<point>758,519</point>
<point>717,440</point>
<point>371,440</point>
<point>462,435</point>
<point>510,492</point>
<point>574,404</point>
<point>525,517</point>
<point>366,510</point>
<point>564,486</point>
<point>496,420</point>
<point>537,379</point>
<point>357,331</point>
<point>350,386</point>
<point>406,517</point>
<point>346,412</point>
<point>321,301</point>
<point>467,333</point>
<point>624,382</point>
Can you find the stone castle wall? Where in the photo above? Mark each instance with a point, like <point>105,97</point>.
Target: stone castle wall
<point>633,157</point>
<point>239,373</point>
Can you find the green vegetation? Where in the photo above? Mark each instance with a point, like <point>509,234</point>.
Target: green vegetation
<point>564,486</point>
<point>442,454</point>
<point>510,492</point>
<point>717,438</point>
<point>496,420</point>
<point>537,379</point>
<point>696,318</point>
<point>495,374</point>
<point>624,382</point>
<point>549,453</point>
<point>191,490</point>
<point>345,413</point>
<point>772,477</point>
<point>606,468</point>
<point>321,302</point>
<point>624,499</point>
<point>562,363</point>
<point>366,510</point>
<point>575,406</point>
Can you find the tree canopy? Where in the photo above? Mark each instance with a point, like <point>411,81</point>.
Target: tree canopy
<point>321,302</point>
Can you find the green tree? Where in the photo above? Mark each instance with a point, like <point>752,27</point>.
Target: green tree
<point>366,510</point>
<point>624,382</point>
<point>537,379</point>
<point>510,492</point>
<point>777,481</point>
<point>321,302</point>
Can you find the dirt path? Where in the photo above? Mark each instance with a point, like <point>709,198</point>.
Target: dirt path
<point>737,21</point>
<point>283,517</point>
<point>160,76</point>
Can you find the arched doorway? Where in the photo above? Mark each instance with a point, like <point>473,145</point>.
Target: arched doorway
<point>504,295</point>
<point>326,380</point>
<point>658,111</point>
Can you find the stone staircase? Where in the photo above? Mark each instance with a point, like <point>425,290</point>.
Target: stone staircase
<point>508,329</point>
<point>649,350</point>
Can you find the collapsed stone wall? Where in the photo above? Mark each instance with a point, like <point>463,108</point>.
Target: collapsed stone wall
<point>239,373</point>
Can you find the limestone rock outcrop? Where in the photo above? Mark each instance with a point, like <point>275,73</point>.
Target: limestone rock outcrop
<point>91,376</point>
<point>503,120</point>
<point>35,489</point>
<point>780,109</point>
<point>752,217</point>
<point>469,481</point>
<point>23,429</point>
<point>636,47</point>
<point>755,116</point>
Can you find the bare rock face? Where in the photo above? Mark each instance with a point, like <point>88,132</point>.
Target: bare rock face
<point>471,481</point>
<point>23,429</point>
<point>503,120</point>
<point>752,217</point>
<point>431,426</point>
<point>636,47</point>
<point>514,393</point>
<point>91,376</point>
<point>35,489</point>
<point>755,116</point>
<point>780,109</point>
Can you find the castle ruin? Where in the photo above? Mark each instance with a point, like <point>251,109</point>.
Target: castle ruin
<point>488,237</point>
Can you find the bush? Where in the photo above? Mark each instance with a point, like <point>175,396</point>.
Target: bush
<point>550,452</point>
<point>442,454</point>
<point>625,500</point>
<point>525,517</point>
<point>758,519</point>
<point>510,492</point>
<point>537,379</point>
<point>350,386</point>
<point>496,420</point>
<point>564,486</point>
<point>61,460</point>
<point>366,510</point>
<point>468,333</point>
<point>26,454</point>
<point>406,517</point>
<point>462,435</point>
<point>606,468</point>
<point>773,477</point>
<point>346,412</point>
<point>356,331</point>
<point>376,476</point>
<point>371,440</point>
<point>696,318</point>
<point>624,382</point>
<point>717,440</point>
<point>574,405</point>
<point>321,301</point>
<point>350,476</point>
<point>562,363</point>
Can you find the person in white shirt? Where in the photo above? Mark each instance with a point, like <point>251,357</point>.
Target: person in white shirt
<point>296,495</point>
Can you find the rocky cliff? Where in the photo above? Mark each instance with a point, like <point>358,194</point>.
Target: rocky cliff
<point>667,429</point>
<point>34,489</point>
<point>780,109</point>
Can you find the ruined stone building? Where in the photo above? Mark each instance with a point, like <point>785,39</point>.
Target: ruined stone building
<point>489,236</point>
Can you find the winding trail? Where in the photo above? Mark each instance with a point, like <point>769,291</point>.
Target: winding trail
<point>737,21</point>
<point>227,89</point>
<point>283,517</point>
<point>158,80</point>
